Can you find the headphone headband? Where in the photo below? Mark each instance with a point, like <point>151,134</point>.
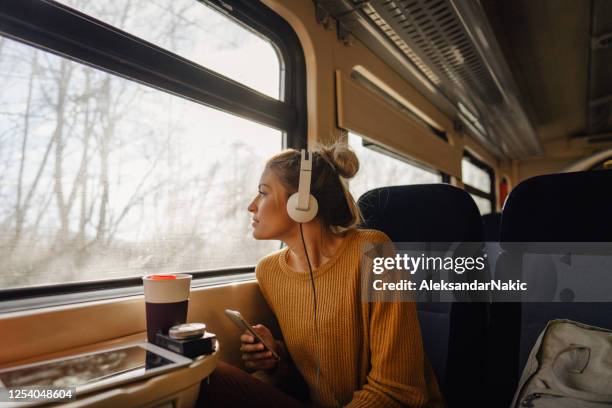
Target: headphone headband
<point>302,206</point>
<point>305,178</point>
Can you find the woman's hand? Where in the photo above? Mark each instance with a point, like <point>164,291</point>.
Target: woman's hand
<point>254,353</point>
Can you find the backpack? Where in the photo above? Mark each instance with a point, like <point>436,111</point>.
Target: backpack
<point>569,366</point>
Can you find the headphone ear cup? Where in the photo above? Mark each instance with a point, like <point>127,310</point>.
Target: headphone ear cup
<point>302,216</point>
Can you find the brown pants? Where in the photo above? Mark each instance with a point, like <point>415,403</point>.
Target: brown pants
<point>229,386</point>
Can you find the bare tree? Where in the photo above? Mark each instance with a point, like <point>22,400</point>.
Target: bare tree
<point>63,81</point>
<point>83,171</point>
<point>64,158</point>
<point>20,209</point>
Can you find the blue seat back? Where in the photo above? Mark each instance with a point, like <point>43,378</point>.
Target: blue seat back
<point>491,224</point>
<point>568,207</point>
<point>453,333</point>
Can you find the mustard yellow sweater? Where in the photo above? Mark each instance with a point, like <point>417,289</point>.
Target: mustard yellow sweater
<point>371,354</point>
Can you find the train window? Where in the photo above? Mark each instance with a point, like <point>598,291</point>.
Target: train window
<point>197,32</point>
<point>105,177</point>
<point>379,170</point>
<point>118,158</point>
<point>478,180</point>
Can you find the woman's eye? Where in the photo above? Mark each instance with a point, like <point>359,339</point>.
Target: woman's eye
<point>261,193</point>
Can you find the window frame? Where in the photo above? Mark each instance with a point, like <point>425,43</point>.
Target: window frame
<point>491,197</point>
<point>61,30</point>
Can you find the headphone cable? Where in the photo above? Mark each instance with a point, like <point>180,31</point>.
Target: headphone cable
<point>314,296</point>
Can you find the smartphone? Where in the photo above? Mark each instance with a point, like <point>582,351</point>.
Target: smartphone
<point>242,324</point>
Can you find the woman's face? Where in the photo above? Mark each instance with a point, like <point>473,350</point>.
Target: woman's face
<point>269,209</point>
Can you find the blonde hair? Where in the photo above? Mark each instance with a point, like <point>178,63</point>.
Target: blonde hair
<point>330,166</point>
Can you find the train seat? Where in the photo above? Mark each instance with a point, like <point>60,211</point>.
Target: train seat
<point>566,207</point>
<point>491,223</point>
<point>453,333</point>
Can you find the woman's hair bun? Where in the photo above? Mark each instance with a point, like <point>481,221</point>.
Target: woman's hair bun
<point>343,159</point>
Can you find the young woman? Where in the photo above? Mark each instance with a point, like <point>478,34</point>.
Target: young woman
<point>354,353</point>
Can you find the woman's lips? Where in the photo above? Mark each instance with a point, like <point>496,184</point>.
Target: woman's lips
<point>254,222</point>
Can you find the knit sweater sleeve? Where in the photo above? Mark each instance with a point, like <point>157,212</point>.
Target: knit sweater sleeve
<point>397,373</point>
<point>397,360</point>
<point>285,367</point>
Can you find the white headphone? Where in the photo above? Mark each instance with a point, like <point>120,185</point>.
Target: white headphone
<point>302,207</point>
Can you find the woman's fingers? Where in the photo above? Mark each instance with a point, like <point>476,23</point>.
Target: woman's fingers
<point>251,348</point>
<point>254,353</point>
<point>257,356</point>
<point>261,329</point>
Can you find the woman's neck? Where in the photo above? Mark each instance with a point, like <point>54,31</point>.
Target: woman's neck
<point>321,244</point>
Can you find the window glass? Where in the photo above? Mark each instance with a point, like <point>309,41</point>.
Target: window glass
<point>196,32</point>
<point>475,176</point>
<point>379,170</point>
<point>101,177</point>
<point>483,204</point>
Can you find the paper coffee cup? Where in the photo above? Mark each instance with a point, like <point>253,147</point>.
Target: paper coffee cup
<point>166,302</point>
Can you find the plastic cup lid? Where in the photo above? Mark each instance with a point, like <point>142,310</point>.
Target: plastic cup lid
<point>187,330</point>
<point>162,277</point>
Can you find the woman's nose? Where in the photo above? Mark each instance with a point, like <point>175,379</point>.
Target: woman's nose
<point>252,207</point>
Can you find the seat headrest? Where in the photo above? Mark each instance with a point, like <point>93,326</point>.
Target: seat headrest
<point>566,207</point>
<point>422,213</point>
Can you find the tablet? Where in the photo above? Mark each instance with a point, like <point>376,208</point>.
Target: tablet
<point>94,371</point>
